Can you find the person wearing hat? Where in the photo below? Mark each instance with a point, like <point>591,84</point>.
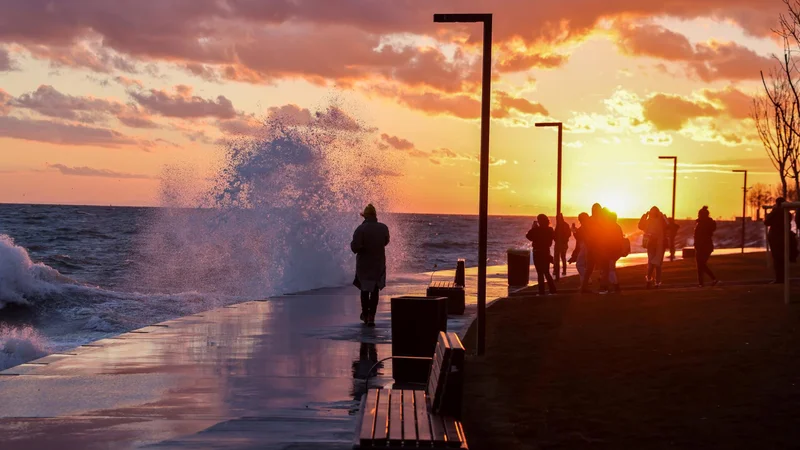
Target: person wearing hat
<point>369,244</point>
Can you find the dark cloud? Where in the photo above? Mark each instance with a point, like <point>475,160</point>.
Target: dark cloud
<point>61,133</point>
<point>397,143</point>
<point>6,64</point>
<point>183,105</point>
<point>92,172</point>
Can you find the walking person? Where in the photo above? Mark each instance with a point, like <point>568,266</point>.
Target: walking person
<point>614,238</point>
<point>369,244</point>
<point>541,236</point>
<point>776,224</point>
<point>579,253</point>
<point>704,244</point>
<point>654,225</point>
<point>562,235</point>
<point>592,243</point>
<point>672,234</point>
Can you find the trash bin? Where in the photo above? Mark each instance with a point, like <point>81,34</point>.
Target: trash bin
<point>688,252</point>
<point>416,323</point>
<point>454,293</point>
<point>519,267</point>
<point>460,273</point>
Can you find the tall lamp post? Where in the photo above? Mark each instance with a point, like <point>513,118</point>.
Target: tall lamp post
<point>674,186</point>
<point>483,212</point>
<point>560,127</point>
<point>744,204</point>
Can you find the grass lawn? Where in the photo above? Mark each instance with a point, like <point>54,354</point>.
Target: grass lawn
<point>683,368</point>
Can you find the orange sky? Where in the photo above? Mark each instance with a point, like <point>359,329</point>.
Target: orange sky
<point>97,97</point>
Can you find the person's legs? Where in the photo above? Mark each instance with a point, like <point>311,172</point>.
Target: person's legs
<point>701,268</point>
<point>658,274</point>
<point>365,305</point>
<point>556,262</point>
<point>564,261</point>
<point>587,277</point>
<point>612,275</point>
<point>373,303</point>
<point>550,283</point>
<point>604,275</point>
<point>541,277</point>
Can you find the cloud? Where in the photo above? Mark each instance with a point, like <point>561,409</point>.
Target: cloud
<point>396,142</point>
<point>670,112</point>
<point>5,102</point>
<point>506,103</point>
<point>91,172</point>
<point>61,133</point>
<point>6,64</point>
<point>90,55</point>
<point>183,105</point>
<point>48,101</point>
<point>124,81</point>
<point>709,61</point>
<point>734,102</point>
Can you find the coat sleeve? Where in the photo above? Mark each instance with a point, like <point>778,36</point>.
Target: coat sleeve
<point>358,241</point>
<point>530,235</point>
<point>387,236</point>
<point>643,223</point>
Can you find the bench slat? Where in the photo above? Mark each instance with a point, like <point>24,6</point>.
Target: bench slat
<point>409,418</point>
<point>423,422</point>
<point>454,436</point>
<point>438,431</point>
<point>382,417</point>
<point>396,417</point>
<point>368,420</point>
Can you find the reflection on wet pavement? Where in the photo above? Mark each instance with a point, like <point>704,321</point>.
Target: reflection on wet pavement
<point>289,371</point>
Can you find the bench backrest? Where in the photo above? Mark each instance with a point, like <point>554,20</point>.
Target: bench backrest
<point>445,378</point>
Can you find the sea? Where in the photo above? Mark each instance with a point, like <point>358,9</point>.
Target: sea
<point>70,275</point>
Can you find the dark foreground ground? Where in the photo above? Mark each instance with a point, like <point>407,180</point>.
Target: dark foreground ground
<point>675,368</point>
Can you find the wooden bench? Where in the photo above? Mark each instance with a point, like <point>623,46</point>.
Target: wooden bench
<point>401,418</point>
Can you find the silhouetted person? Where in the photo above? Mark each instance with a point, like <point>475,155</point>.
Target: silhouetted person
<point>592,240</point>
<point>562,236</point>
<point>541,236</point>
<point>579,254</point>
<point>672,233</point>
<point>776,224</point>
<point>611,251</point>
<point>654,225</point>
<point>369,244</point>
<point>704,245</point>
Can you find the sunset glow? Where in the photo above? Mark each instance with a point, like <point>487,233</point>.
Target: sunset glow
<point>94,106</point>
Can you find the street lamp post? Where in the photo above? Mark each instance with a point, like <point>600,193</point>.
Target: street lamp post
<point>674,188</point>
<point>560,127</point>
<point>483,212</point>
<point>744,204</point>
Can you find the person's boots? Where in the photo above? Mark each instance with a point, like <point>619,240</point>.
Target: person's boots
<point>371,320</point>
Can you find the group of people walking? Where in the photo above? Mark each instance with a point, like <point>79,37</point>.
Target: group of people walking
<point>600,243</point>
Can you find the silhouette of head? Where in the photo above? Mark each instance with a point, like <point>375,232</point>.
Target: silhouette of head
<point>543,220</point>
<point>654,211</point>
<point>583,217</point>
<point>703,213</point>
<point>560,218</point>
<point>779,201</point>
<point>596,209</point>
<point>369,212</point>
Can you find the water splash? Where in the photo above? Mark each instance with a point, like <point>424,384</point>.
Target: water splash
<point>279,214</point>
<point>19,345</point>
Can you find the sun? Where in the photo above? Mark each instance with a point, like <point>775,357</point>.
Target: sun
<point>619,201</point>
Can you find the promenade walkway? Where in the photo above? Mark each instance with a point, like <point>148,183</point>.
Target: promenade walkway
<point>284,373</point>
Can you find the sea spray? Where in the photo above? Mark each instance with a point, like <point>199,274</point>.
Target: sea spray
<point>20,278</point>
<point>19,345</point>
<point>279,214</point>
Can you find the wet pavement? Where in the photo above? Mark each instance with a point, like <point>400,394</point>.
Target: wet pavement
<point>284,373</point>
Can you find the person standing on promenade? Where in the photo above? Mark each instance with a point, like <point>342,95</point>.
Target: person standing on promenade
<point>562,236</point>
<point>654,239</point>
<point>672,233</point>
<point>704,244</point>
<point>369,244</point>
<point>541,236</point>
<point>592,242</point>
<point>776,224</point>
<point>612,250</point>
<point>579,254</point>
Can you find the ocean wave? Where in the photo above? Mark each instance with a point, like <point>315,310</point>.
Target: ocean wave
<point>21,278</point>
<point>19,345</point>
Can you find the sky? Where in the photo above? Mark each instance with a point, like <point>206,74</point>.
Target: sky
<point>97,97</point>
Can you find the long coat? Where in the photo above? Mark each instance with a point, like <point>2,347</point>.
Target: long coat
<point>369,243</point>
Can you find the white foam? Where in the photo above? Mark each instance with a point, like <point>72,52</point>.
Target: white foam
<point>19,345</point>
<point>21,278</point>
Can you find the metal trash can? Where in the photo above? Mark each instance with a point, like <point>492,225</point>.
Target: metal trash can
<point>456,301</point>
<point>416,323</point>
<point>519,267</point>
